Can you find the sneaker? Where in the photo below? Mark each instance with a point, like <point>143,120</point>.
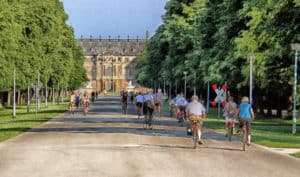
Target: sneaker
<point>200,142</point>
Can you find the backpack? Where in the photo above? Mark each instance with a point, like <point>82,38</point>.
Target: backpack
<point>231,109</point>
<point>149,104</point>
<point>124,97</point>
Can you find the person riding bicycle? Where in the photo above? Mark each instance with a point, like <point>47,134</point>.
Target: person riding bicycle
<point>196,111</point>
<point>229,111</point>
<point>172,106</point>
<point>139,102</point>
<point>148,106</point>
<point>124,102</point>
<point>181,103</point>
<point>158,99</point>
<point>85,103</point>
<point>71,104</point>
<point>246,115</point>
<point>77,100</point>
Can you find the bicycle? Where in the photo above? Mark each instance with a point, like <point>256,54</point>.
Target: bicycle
<point>194,132</point>
<point>243,134</point>
<point>85,107</point>
<point>71,108</point>
<point>230,125</point>
<point>124,108</point>
<point>172,110</point>
<point>148,122</point>
<point>180,116</point>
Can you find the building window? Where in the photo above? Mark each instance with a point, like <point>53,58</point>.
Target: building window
<point>119,70</point>
<point>108,71</point>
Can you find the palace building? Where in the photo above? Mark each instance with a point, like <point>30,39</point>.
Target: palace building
<point>110,63</point>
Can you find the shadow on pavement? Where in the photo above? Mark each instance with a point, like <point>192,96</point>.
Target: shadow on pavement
<point>222,148</point>
<point>168,146</point>
<point>137,131</point>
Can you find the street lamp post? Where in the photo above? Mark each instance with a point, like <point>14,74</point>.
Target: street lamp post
<point>14,96</point>
<point>251,57</point>
<point>185,73</point>
<point>295,47</point>
<point>164,85</point>
<point>195,83</point>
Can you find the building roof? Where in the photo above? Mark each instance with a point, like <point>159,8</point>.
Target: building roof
<point>119,47</point>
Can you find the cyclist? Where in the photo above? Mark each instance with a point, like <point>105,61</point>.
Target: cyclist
<point>158,98</point>
<point>246,115</point>
<point>71,104</point>
<point>139,103</point>
<point>86,103</point>
<point>181,103</point>
<point>229,112</point>
<point>148,106</point>
<point>172,106</point>
<point>77,100</point>
<point>124,102</point>
<point>196,111</point>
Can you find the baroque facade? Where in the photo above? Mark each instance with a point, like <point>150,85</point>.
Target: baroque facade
<point>109,63</point>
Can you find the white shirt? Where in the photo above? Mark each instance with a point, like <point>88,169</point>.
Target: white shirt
<point>195,108</point>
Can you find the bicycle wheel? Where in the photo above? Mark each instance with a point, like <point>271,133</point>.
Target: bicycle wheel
<point>150,122</point>
<point>145,123</point>
<point>195,138</point>
<point>244,137</point>
<point>229,132</point>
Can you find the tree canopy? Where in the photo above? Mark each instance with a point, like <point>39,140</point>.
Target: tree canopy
<point>213,39</point>
<point>34,38</point>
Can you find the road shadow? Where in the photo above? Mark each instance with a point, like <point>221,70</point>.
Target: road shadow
<point>112,130</point>
<point>221,148</point>
<point>168,146</point>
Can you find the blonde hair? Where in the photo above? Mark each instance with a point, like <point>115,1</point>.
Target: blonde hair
<point>245,99</point>
<point>195,98</point>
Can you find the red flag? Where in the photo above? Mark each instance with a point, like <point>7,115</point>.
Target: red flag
<point>215,87</point>
<point>224,87</point>
<point>214,104</point>
<point>223,103</point>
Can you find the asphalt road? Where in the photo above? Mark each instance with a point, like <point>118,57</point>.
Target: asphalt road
<point>107,144</point>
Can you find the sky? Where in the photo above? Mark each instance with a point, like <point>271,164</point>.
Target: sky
<point>114,17</point>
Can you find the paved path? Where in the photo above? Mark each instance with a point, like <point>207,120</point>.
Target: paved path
<point>107,144</point>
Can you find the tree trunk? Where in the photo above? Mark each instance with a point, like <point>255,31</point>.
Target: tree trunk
<point>22,98</point>
<point>19,97</point>
<point>9,98</point>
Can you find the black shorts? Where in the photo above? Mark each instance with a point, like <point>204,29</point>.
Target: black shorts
<point>139,104</point>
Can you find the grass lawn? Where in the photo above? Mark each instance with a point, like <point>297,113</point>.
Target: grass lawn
<point>271,132</point>
<point>296,155</point>
<point>10,127</point>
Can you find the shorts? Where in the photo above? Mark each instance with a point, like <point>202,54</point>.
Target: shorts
<point>139,104</point>
<point>228,118</point>
<point>247,122</point>
<point>198,119</point>
<point>71,104</point>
